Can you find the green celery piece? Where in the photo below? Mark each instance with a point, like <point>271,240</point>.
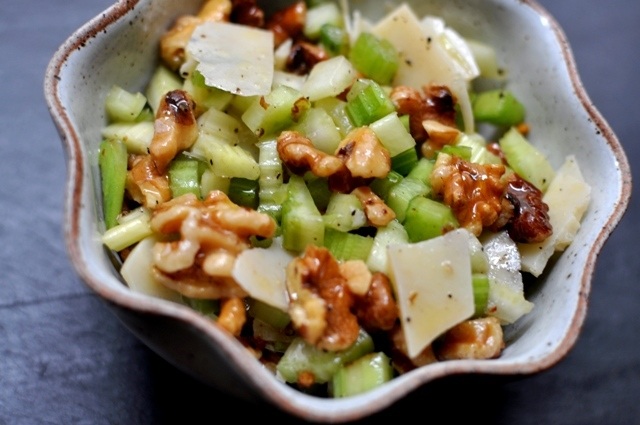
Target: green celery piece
<point>132,228</point>
<point>344,212</point>
<point>426,219</point>
<point>210,308</point>
<point>361,375</point>
<point>374,57</point>
<point>422,170</point>
<point>275,111</point>
<point>184,175</point>
<point>401,194</point>
<point>463,152</point>
<point>244,192</point>
<point>382,186</point>
<point>347,246</point>
<point>302,223</point>
<point>124,106</point>
<point>113,171</point>
<point>404,161</point>
<point>368,102</point>
<point>162,81</point>
<point>319,189</point>
<point>393,134</point>
<point>480,293</point>
<point>335,39</point>
<point>526,160</point>
<point>393,233</point>
<point>272,192</point>
<point>337,110</point>
<point>317,16</point>
<point>302,357</point>
<point>499,107</point>
<point>273,316</point>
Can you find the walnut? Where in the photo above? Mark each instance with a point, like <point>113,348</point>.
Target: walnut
<point>303,56</point>
<point>378,213</point>
<point>530,222</point>
<point>299,155</point>
<point>364,155</point>
<point>203,241</point>
<point>476,193</point>
<point>399,351</point>
<point>472,339</point>
<point>232,315</point>
<point>288,22</point>
<point>320,300</point>
<point>377,308</point>
<point>175,130</point>
<point>247,12</point>
<point>437,103</point>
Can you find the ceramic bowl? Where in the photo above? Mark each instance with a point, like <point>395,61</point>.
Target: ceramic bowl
<point>120,47</point>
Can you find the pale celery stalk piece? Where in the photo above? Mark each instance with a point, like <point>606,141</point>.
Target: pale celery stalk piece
<point>568,197</point>
<point>344,212</point>
<point>526,159</point>
<point>136,136</point>
<point>234,58</point>
<point>131,229</point>
<point>486,59</point>
<point>439,64</point>
<point>393,233</point>
<point>319,127</point>
<point>137,272</point>
<point>122,105</point>
<point>393,134</point>
<point>437,295</point>
<point>329,78</point>
<point>210,181</point>
<point>162,81</point>
<point>317,16</point>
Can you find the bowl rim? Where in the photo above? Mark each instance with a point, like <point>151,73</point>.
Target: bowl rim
<point>287,400</point>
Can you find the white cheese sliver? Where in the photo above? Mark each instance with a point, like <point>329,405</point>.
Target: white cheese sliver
<point>234,58</point>
<point>437,294</point>
<point>262,272</point>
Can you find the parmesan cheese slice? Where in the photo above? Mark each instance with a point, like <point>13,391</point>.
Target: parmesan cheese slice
<point>568,197</point>
<point>433,285</point>
<point>262,272</point>
<point>234,58</point>
<point>430,53</point>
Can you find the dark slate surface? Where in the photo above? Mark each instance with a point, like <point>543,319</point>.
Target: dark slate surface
<point>65,359</point>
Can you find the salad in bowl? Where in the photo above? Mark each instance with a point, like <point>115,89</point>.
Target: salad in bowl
<point>339,198</point>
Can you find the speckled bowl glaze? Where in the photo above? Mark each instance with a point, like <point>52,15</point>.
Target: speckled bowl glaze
<point>120,47</point>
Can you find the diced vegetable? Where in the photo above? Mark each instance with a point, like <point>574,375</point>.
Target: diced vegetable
<point>113,169</point>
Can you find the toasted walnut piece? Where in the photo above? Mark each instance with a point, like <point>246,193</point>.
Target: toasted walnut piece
<point>436,104</point>
<point>247,12</point>
<point>204,239</point>
<point>364,155</point>
<point>357,276</point>
<point>303,56</point>
<point>530,222</point>
<point>472,339</point>
<point>299,155</point>
<point>320,300</point>
<point>145,184</point>
<point>232,315</point>
<point>474,192</point>
<point>378,213</point>
<point>438,135</point>
<point>288,22</point>
<point>175,128</point>
<point>377,309</point>
<point>174,42</point>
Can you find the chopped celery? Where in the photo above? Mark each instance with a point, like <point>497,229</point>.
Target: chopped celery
<point>393,134</point>
<point>136,136</point>
<point>498,107</point>
<point>113,169</point>
<point>318,126</point>
<point>274,112</point>
<point>405,161</point>
<point>319,189</point>
<point>382,186</point>
<point>374,57</point>
<point>422,171</point>
<point>273,316</point>
<point>361,375</point>
<point>210,181</point>
<point>401,194</point>
<point>427,219</point>
<point>327,13</point>
<point>124,106</point>
<point>337,110</point>
<point>206,97</point>
<point>329,78</point>
<point>244,192</point>
<point>392,233</point>
<point>272,192</point>
<point>463,152</point>
<point>302,357</point>
<point>162,81</point>
<point>347,246</point>
<point>209,308</point>
<point>335,39</point>
<point>302,223</point>
<point>344,212</point>
<point>367,102</point>
<point>132,229</point>
<point>480,292</point>
<point>185,173</point>
<point>526,160</point>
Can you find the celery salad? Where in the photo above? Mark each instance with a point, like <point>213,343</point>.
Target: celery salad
<point>316,183</point>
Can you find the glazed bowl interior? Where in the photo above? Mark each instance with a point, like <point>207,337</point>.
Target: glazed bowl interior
<point>120,47</point>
